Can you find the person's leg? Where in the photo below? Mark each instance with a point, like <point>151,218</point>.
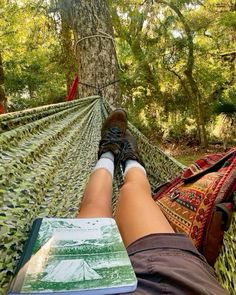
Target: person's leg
<point>137,215</point>
<point>98,192</point>
<point>157,249</point>
<point>163,259</point>
<point>97,195</point>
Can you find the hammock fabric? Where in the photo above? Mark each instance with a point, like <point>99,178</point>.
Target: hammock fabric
<point>46,156</point>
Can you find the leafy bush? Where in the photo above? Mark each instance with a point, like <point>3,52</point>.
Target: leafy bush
<point>21,103</point>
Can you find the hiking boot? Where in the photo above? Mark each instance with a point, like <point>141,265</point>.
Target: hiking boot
<point>129,150</point>
<point>112,133</point>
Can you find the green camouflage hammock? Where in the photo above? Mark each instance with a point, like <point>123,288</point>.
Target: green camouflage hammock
<point>46,157</point>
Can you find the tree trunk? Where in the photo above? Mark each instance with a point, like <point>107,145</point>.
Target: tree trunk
<point>201,126</point>
<point>3,98</point>
<point>95,51</point>
<point>189,74</point>
<point>68,60</point>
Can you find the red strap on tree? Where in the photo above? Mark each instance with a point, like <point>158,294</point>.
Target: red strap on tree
<point>73,88</point>
<point>2,111</point>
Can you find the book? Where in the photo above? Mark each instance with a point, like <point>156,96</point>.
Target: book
<point>74,256</point>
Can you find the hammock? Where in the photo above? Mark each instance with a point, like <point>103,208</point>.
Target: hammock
<point>46,157</point>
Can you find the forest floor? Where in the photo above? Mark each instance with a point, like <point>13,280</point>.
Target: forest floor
<point>187,155</point>
<point>185,151</point>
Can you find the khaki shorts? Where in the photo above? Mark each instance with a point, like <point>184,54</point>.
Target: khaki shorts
<point>170,264</point>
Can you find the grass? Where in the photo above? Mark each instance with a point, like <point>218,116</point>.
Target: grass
<point>188,155</point>
<point>189,159</point>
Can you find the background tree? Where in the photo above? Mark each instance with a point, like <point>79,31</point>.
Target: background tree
<point>60,14</point>
<point>29,52</point>
<point>181,42</point>
<point>94,46</point>
<point>3,98</point>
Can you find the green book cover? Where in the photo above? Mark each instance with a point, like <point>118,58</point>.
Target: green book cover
<point>83,256</point>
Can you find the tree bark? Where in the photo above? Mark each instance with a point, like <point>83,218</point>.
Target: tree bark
<point>68,60</point>
<point>3,98</point>
<point>95,51</point>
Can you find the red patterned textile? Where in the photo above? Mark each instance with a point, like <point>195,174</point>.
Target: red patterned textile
<point>189,201</point>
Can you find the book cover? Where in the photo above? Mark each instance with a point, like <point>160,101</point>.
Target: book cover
<point>81,256</point>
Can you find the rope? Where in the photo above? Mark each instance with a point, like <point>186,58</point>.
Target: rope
<point>94,36</point>
<point>104,86</point>
<point>101,35</point>
<point>88,85</point>
<point>99,89</point>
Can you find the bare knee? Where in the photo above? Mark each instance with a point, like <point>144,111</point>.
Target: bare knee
<point>135,187</point>
<point>94,209</point>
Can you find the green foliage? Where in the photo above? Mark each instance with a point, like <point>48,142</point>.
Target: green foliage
<point>155,57</point>
<point>33,70</point>
<point>227,104</point>
<point>153,51</point>
<point>225,107</point>
<point>228,19</point>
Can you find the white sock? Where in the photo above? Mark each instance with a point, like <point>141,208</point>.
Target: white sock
<point>131,164</point>
<point>108,155</point>
<point>106,162</point>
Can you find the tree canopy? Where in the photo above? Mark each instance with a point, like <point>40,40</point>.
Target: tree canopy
<point>176,60</point>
